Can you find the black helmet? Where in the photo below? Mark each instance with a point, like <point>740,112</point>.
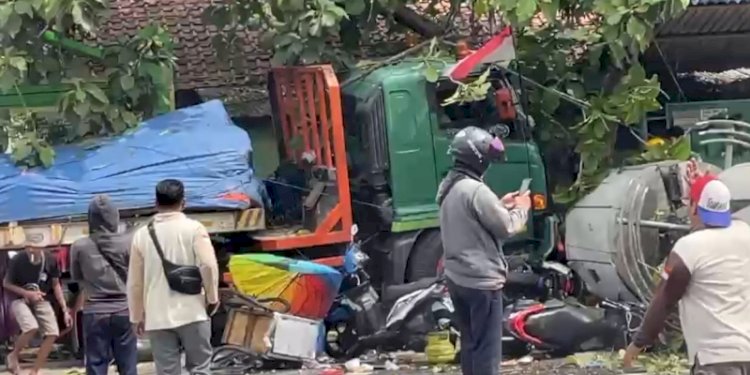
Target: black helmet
<point>476,149</point>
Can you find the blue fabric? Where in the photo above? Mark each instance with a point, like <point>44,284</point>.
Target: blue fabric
<point>198,145</point>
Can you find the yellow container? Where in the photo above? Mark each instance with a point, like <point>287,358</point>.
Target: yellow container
<point>439,349</point>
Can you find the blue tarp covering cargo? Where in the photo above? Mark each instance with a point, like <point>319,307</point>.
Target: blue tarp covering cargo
<point>199,145</point>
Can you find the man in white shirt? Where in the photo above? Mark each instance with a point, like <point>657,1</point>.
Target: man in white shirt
<point>173,319</point>
<point>707,274</point>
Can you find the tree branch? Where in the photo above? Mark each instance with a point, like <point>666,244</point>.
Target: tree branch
<point>415,21</point>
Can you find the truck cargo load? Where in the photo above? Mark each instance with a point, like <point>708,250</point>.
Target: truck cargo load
<point>198,145</point>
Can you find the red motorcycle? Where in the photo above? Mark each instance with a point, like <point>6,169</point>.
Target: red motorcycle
<point>566,327</point>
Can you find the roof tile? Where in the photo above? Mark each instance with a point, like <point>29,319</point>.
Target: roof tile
<point>198,64</point>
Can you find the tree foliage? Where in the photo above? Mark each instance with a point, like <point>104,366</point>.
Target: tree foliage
<point>590,51</point>
<point>583,56</point>
<point>110,88</point>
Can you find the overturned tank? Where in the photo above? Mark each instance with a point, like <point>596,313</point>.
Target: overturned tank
<point>618,236</point>
<point>737,179</point>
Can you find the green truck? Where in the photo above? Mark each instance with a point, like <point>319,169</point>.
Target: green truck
<point>398,132</point>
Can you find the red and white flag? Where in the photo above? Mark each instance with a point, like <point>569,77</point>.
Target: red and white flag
<point>498,50</point>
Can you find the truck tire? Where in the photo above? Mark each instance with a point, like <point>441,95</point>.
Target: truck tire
<point>425,257</point>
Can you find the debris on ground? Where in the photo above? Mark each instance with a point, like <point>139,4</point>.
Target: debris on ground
<point>355,366</point>
<point>664,364</point>
<point>648,363</point>
<point>607,360</point>
<point>391,366</point>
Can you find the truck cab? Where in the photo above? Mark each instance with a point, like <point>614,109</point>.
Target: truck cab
<point>398,132</point>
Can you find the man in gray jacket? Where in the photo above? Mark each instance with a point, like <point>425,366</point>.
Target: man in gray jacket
<point>100,263</point>
<point>473,224</point>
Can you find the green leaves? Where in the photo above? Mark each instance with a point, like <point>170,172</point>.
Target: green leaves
<point>431,73</point>
<point>28,149</point>
<point>355,7</point>
<point>525,10</point>
<point>23,7</point>
<point>297,31</point>
<point>127,82</point>
<point>470,92</point>
<point>137,76</point>
<point>432,62</point>
<point>549,8</point>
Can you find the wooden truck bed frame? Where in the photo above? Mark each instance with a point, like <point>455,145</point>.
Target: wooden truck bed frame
<point>62,233</point>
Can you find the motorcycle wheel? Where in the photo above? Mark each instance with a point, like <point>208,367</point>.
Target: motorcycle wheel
<point>340,336</point>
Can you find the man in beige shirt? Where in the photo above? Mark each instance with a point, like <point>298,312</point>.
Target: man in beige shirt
<point>172,319</point>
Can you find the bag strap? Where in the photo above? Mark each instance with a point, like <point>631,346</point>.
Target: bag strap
<point>42,268</point>
<point>157,245</point>
<point>118,271</point>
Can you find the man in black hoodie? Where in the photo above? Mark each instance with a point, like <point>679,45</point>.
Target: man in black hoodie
<point>100,263</point>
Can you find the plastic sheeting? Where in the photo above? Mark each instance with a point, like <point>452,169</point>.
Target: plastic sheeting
<point>198,145</point>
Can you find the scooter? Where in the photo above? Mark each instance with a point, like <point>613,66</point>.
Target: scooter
<point>566,327</point>
<point>400,318</point>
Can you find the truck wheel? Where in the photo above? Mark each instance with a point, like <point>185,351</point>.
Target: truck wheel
<point>426,256</point>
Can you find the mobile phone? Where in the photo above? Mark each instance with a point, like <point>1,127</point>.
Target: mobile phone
<point>525,184</point>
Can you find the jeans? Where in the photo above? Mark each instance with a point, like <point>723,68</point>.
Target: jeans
<point>479,317</point>
<point>195,338</point>
<point>107,337</point>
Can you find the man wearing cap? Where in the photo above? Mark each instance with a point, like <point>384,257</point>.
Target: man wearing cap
<point>33,276</point>
<point>707,274</point>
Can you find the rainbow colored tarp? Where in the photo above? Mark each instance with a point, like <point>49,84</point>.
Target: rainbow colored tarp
<point>308,287</point>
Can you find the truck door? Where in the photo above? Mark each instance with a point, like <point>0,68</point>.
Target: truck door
<point>413,181</point>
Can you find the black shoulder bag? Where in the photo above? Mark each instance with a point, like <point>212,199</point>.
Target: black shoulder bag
<point>181,279</point>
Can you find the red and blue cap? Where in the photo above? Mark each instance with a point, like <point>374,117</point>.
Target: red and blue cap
<point>713,199</point>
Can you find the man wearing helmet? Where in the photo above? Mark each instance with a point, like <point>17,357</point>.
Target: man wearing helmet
<point>474,223</point>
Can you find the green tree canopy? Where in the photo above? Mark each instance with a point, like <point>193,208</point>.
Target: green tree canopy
<point>111,87</point>
<point>579,53</point>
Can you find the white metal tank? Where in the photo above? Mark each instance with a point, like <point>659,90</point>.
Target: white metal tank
<point>737,179</point>
<point>618,236</point>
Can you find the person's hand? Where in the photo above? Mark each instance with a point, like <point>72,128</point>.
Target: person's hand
<point>68,318</point>
<point>509,200</point>
<point>212,308</point>
<point>33,296</point>
<point>139,329</point>
<point>523,201</point>
<point>631,354</point>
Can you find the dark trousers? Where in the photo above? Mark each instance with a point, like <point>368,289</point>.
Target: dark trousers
<point>108,337</point>
<point>729,368</point>
<point>479,317</point>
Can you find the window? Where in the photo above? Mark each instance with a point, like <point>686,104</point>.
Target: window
<point>484,113</point>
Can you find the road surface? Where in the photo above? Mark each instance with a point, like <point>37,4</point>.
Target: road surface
<point>549,367</point>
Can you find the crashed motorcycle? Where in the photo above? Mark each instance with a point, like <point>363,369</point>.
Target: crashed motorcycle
<point>566,327</point>
<point>400,318</point>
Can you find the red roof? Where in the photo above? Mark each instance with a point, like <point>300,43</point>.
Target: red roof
<point>198,63</point>
<point>200,68</point>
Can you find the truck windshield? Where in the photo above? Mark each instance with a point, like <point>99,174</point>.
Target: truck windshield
<point>481,113</point>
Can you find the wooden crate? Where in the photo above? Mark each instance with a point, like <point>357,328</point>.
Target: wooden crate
<point>249,329</point>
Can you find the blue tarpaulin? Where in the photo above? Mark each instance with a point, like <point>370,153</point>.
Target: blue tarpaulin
<point>198,145</point>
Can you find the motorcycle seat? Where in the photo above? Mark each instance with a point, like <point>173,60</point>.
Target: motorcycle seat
<point>392,293</point>
<point>568,326</point>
